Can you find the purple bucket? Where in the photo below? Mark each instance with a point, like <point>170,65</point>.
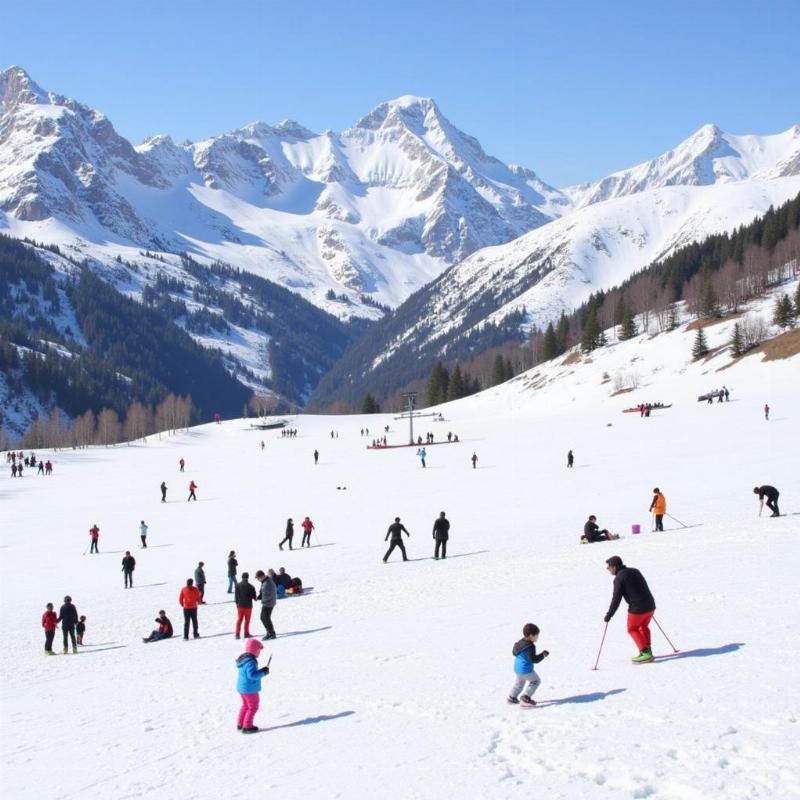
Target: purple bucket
<point>635,529</point>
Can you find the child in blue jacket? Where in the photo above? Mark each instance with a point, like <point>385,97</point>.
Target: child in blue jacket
<point>525,657</point>
<point>248,684</point>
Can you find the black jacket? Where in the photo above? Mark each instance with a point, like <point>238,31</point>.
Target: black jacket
<point>289,529</point>
<point>522,645</point>
<point>770,492</point>
<point>244,595</point>
<point>630,584</point>
<point>232,564</point>
<point>396,530</point>
<point>68,615</point>
<point>440,529</point>
<point>284,580</point>
<point>128,564</point>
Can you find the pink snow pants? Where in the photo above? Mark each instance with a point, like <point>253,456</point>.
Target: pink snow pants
<point>248,710</point>
<point>638,628</point>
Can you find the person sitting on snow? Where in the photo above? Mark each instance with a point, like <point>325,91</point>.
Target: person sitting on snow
<point>592,532</point>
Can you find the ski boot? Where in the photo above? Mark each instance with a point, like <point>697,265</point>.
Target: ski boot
<point>512,701</point>
<point>643,657</point>
<point>527,700</point>
<point>251,729</point>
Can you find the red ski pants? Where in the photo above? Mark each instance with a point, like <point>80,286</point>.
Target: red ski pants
<point>243,615</point>
<point>638,628</point>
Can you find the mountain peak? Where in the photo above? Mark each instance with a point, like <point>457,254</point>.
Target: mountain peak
<point>18,88</point>
<point>408,108</point>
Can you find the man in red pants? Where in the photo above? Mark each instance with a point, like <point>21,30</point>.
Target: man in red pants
<point>630,584</point>
<point>244,595</point>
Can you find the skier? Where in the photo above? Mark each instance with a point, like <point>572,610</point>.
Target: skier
<point>248,684</point>
<point>422,453</point>
<point>232,564</point>
<point>766,412</point>
<point>592,532</point>
<point>49,623</point>
<point>143,533</point>
<point>772,495</point>
<point>268,597</point>
<point>164,630</point>
<point>441,533</point>
<point>307,526</point>
<point>659,508</point>
<point>474,460</point>
<point>262,444</point>
<point>570,459</point>
<point>524,652</point>
<point>396,530</point>
<point>316,456</point>
<point>200,581</point>
<point>243,596</point>
<point>630,584</point>
<point>41,468</point>
<point>188,600</point>
<point>94,532</point>
<point>68,617</point>
<point>192,495</point>
<point>289,534</point>
<point>128,566</point>
<point>182,463</point>
<point>163,492</point>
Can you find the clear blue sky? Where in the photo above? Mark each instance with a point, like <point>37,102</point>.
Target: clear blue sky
<point>573,90</point>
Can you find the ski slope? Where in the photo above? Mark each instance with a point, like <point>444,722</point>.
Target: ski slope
<point>390,680</point>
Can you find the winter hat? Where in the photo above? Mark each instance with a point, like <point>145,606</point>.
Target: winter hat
<point>253,646</point>
<point>656,490</point>
<point>615,561</point>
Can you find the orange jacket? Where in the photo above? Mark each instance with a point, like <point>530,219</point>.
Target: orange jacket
<point>189,597</point>
<point>659,505</point>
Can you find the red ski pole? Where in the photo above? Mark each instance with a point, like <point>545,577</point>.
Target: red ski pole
<point>601,647</point>
<point>674,649</point>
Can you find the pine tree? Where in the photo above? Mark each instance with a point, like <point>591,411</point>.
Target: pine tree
<point>626,321</point>
<point>672,317</point>
<point>436,391</point>
<point>562,333</point>
<point>456,388</point>
<point>550,346</point>
<point>498,370</point>
<point>709,308</point>
<point>737,341</point>
<point>509,369</point>
<point>700,347</point>
<point>370,405</point>
<point>591,331</point>
<point>784,315</point>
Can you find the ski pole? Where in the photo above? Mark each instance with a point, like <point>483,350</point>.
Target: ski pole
<point>674,649</point>
<point>601,647</point>
<point>676,520</point>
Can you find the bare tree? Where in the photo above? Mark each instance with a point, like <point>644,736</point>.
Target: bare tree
<point>108,427</point>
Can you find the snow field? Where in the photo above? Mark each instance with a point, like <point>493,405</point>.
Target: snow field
<point>394,683</point>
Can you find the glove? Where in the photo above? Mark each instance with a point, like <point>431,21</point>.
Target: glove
<point>607,618</point>
<point>545,653</point>
<point>265,670</point>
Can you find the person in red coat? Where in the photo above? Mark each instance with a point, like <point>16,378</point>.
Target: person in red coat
<point>192,487</point>
<point>49,623</point>
<point>307,526</point>
<point>182,463</point>
<point>189,599</point>
<point>94,532</point>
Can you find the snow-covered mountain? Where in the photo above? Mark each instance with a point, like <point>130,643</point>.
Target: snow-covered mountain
<point>379,209</point>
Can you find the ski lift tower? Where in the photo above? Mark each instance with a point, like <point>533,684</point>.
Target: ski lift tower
<point>411,399</point>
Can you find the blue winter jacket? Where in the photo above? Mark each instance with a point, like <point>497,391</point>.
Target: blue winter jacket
<point>525,657</point>
<point>249,680</point>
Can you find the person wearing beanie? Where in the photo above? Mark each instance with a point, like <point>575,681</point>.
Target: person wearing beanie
<point>630,584</point>
<point>268,594</point>
<point>189,599</point>
<point>659,508</point>
<point>772,495</point>
<point>248,684</point>
<point>244,595</point>
<point>68,617</point>
<point>524,652</point>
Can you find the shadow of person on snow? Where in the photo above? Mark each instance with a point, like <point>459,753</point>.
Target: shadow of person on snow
<point>146,585</point>
<point>300,633</point>
<point>464,555</point>
<point>579,698</point>
<point>311,720</point>
<point>95,649</point>
<point>702,652</point>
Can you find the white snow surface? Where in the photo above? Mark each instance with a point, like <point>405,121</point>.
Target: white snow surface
<point>390,680</point>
